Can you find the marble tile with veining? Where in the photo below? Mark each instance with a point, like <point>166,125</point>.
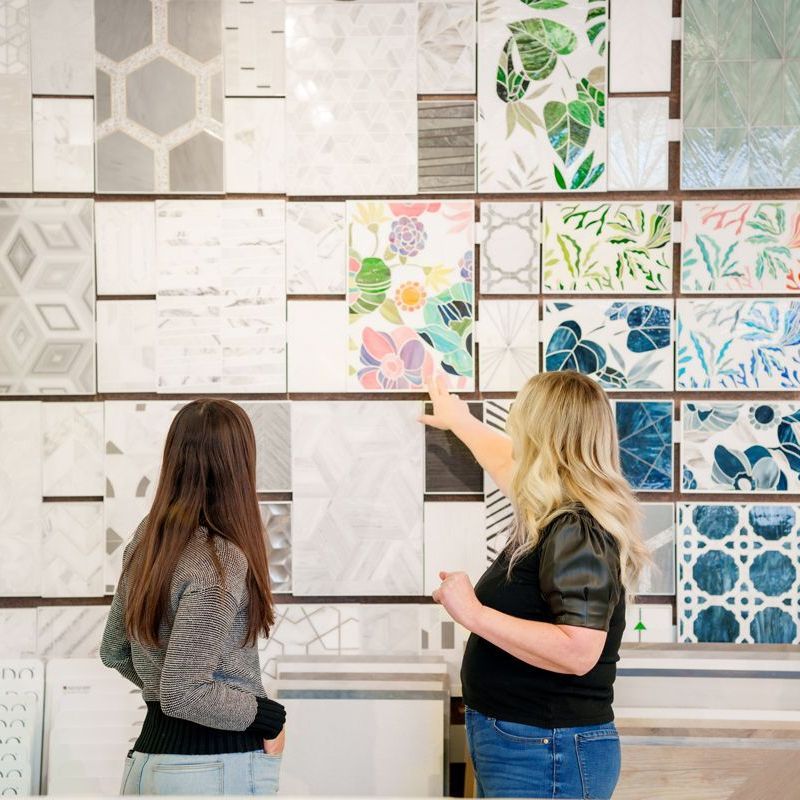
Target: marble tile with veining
<point>641,55</point>
<point>255,145</point>
<point>446,47</point>
<point>70,631</point>
<point>271,425</point>
<point>254,48</point>
<point>316,248</point>
<point>126,346</point>
<point>125,243</point>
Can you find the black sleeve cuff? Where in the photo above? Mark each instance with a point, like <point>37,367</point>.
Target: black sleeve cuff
<point>270,718</point>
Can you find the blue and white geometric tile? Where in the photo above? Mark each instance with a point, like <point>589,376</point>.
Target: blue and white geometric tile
<point>645,431</point>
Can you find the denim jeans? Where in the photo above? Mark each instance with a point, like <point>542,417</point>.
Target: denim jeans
<point>253,773</point>
<point>515,760</point>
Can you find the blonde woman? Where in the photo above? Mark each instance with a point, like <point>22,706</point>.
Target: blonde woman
<point>547,617</point>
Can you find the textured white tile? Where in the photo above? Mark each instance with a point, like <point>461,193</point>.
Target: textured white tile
<point>126,346</point>
<point>70,631</point>
<point>273,444</point>
<point>18,632</point>
<point>16,146</point>
<point>73,550</point>
<point>72,450</point>
<point>446,47</point>
<point>510,248</point>
<point>455,541</point>
<point>640,33</point>
<point>254,48</point>
<point>649,623</point>
<point>638,146</point>
<point>62,46</point>
<point>255,145</point>
<point>509,344</point>
<point>317,357</point>
<point>125,245</point>
<point>316,248</point>
<point>63,145</point>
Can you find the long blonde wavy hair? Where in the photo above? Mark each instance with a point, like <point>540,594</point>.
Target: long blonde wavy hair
<point>566,453</point>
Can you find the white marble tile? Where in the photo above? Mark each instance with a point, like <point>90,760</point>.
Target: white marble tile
<point>16,147</point>
<point>638,146</point>
<point>316,248</point>
<point>255,145</point>
<point>72,450</point>
<point>63,145</point>
<point>455,541</point>
<point>73,550</point>
<point>70,631</point>
<point>254,48</point>
<point>273,444</point>
<point>20,497</point>
<point>640,33</point>
<point>126,346</point>
<point>446,47</point>
<point>18,632</point>
<point>62,46</point>
<point>317,334</point>
<point>510,247</point>
<point>508,348</point>
<point>125,246</point>
<point>649,624</point>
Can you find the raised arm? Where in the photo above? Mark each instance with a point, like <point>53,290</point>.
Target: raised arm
<point>491,448</point>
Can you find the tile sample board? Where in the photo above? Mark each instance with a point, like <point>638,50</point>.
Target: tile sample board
<point>317,346</point>
<point>277,519</point>
<point>739,573</point>
<point>645,624</point>
<point>510,248</point>
<point>72,450</point>
<point>273,444</point>
<point>658,533</point>
<point>70,631</point>
<point>499,513</point>
<point>357,473</point>
<point>254,48</point>
<point>410,293</point>
<point>316,248</point>
<point>221,296</point>
<point>455,541</point>
<point>126,346</point>
<point>255,145</point>
<point>641,54</point>
<point>645,431</point>
<point>450,467</point>
<point>749,446</point>
<point>159,96</point>
<point>446,47</point>
<point>541,96</point>
<point>638,144</point>
<point>351,98</point>
<point>63,144</point>
<point>46,297</point>
<point>125,241</point>
<point>446,146</point>
<point>509,344</point>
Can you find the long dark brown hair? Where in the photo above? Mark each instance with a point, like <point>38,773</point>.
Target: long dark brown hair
<point>208,482</point>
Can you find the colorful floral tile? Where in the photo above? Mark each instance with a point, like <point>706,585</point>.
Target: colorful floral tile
<point>638,144</point>
<point>411,294</point>
<point>738,344</point>
<point>624,345</point>
<point>614,248</point>
<point>509,344</point>
<point>739,573</point>
<point>645,431</point>
<point>510,248</point>
<point>744,447</point>
<point>741,247</point>
<point>541,96</point>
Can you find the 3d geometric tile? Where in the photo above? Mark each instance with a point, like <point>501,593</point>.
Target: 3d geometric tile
<point>638,143</point>
<point>18,632</point>
<point>62,46</point>
<point>648,623</point>
<point>499,513</point>
<point>357,509</point>
<point>46,297</point>
<point>272,431</point>
<point>159,96</point>
<point>221,296</point>
<point>20,497</point>
<point>73,550</point>
<point>317,346</point>
<point>63,145</point>
<point>607,248</point>
<point>733,137</point>
<point>254,48</point>
<point>658,533</point>
<point>277,519</point>
<point>410,293</point>
<point>446,47</point>
<point>641,56</point>
<point>351,98</point>
<point>446,145</point>
<point>72,450</point>
<point>740,247</point>
<point>125,241</point>
<point>743,447</point>
<point>316,248</point>
<point>510,253</point>
<point>739,573</point>
<point>622,345</point>
<point>509,344</point>
<point>70,631</point>
<point>450,467</point>
<point>126,346</point>
<point>541,96</point>
<point>738,344</point>
<point>645,431</point>
<point>255,144</point>
<point>455,541</point>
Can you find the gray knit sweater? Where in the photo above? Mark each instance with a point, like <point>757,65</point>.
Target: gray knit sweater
<point>202,672</point>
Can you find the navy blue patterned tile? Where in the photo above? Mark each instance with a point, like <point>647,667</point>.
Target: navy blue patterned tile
<point>645,440</point>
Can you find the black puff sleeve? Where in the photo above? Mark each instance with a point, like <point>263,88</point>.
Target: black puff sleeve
<point>579,571</point>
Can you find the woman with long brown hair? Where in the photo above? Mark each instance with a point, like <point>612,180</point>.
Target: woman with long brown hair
<point>193,597</point>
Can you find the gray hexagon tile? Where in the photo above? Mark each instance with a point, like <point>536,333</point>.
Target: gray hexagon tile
<point>159,96</point>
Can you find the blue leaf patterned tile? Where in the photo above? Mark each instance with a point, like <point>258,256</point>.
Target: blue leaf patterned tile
<point>645,435</point>
<point>739,573</point>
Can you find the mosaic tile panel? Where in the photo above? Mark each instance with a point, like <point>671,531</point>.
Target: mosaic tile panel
<point>126,346</point>
<point>645,431</point>
<point>411,293</point>
<point>739,573</point>
<point>510,248</point>
<point>541,96</point>
<point>46,297</point>
<point>316,248</point>
<point>254,48</point>
<point>273,444</point>
<point>751,446</point>
<point>509,344</point>
<point>446,146</point>
<point>125,242</point>
<point>499,513</point>
<point>277,519</point>
<point>450,467</point>
<point>159,96</point>
<point>738,344</point>
<point>446,47</point>
<point>638,144</point>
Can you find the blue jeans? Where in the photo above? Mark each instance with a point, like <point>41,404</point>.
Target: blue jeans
<point>515,760</point>
<point>231,773</point>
